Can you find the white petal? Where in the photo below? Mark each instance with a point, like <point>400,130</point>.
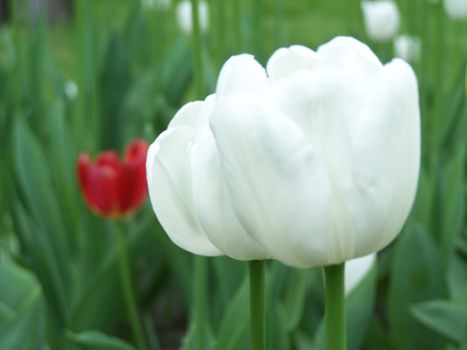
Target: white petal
<point>381,19</point>
<point>456,9</point>
<point>278,186</point>
<point>213,205</point>
<point>356,270</point>
<point>287,61</point>
<point>322,103</point>
<point>241,73</point>
<point>194,114</point>
<point>170,190</point>
<point>350,55</point>
<point>184,16</point>
<point>385,152</point>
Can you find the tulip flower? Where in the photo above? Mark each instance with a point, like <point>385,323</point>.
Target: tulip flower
<point>381,19</point>
<point>184,17</point>
<point>356,270</point>
<point>71,90</point>
<point>312,161</point>
<point>114,187</point>
<point>152,4</point>
<point>456,9</point>
<point>407,47</point>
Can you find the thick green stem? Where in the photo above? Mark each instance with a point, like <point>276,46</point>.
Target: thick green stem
<point>257,27</point>
<point>198,315</point>
<point>199,302</point>
<point>334,317</point>
<point>128,290</point>
<point>197,50</point>
<point>257,305</point>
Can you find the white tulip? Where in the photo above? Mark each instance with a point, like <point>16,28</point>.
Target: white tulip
<point>456,9</point>
<point>312,161</point>
<point>407,47</point>
<point>184,17</point>
<point>152,4</point>
<point>381,19</point>
<point>356,270</point>
<point>71,90</point>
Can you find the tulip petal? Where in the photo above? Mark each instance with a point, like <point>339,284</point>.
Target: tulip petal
<point>213,205</point>
<point>170,190</point>
<point>385,151</point>
<point>241,73</point>
<point>287,61</point>
<point>194,114</point>
<point>132,182</point>
<point>351,56</point>
<point>278,185</point>
<point>321,103</point>
<point>356,270</point>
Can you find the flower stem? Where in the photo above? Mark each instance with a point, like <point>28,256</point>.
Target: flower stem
<point>334,318</point>
<point>257,27</point>
<point>128,289</point>
<point>199,302</point>
<point>197,50</point>
<point>257,305</point>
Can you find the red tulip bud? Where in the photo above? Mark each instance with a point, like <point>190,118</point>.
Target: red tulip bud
<point>114,187</point>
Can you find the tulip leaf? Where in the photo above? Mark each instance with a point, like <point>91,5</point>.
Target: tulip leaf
<point>233,327</point>
<point>22,309</point>
<point>94,340</point>
<point>44,233</point>
<point>295,298</point>
<point>114,88</point>
<point>42,259</point>
<point>417,276</point>
<point>447,319</point>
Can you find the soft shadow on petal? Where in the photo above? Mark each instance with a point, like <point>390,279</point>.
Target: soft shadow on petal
<point>214,207</point>
<point>278,185</point>
<point>385,152</point>
<point>170,190</point>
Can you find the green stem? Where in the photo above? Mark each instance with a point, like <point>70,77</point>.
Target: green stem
<point>197,50</point>
<point>220,32</point>
<point>257,305</point>
<point>334,317</point>
<point>257,28</point>
<point>237,19</point>
<point>128,289</point>
<point>199,302</point>
<point>199,293</point>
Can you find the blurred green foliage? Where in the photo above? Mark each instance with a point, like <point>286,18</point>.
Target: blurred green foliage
<point>59,283</point>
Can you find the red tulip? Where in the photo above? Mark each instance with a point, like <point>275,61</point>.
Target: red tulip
<point>114,187</point>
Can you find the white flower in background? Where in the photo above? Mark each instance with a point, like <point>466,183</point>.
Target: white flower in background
<point>456,9</point>
<point>407,47</point>
<point>312,161</point>
<point>71,90</point>
<point>184,17</point>
<point>356,270</point>
<point>381,19</point>
<point>152,4</point>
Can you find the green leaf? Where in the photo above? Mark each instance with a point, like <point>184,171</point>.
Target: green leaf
<point>447,319</point>
<point>416,276</point>
<point>295,298</point>
<point>232,330</point>
<point>94,340</point>
<point>22,311</point>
